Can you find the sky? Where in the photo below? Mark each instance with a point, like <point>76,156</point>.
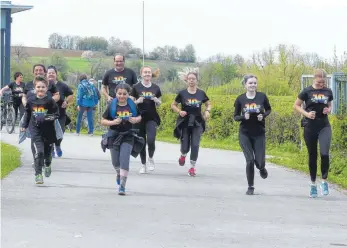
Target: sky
<point>226,27</point>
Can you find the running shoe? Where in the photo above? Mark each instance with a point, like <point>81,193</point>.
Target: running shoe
<point>48,171</point>
<point>151,165</point>
<point>143,169</point>
<point>182,160</point>
<point>59,151</point>
<point>39,179</point>
<point>313,192</point>
<point>191,172</point>
<point>263,173</point>
<point>250,191</point>
<point>121,190</point>
<point>324,188</point>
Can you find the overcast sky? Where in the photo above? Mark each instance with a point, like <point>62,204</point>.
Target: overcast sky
<point>215,26</point>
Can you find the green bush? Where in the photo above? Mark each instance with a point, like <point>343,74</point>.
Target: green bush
<point>283,132</point>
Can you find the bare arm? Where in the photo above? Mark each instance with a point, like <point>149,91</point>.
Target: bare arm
<point>174,107</point>
<point>6,87</point>
<point>298,108</point>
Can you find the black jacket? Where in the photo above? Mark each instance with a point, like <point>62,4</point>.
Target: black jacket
<point>192,122</point>
<point>116,139</point>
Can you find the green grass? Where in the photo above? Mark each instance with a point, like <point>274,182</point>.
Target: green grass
<point>10,159</point>
<point>82,65</point>
<point>286,155</point>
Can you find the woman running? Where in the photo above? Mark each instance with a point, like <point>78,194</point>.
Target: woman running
<point>190,123</point>
<point>120,116</point>
<point>41,111</point>
<point>17,88</point>
<point>251,109</point>
<point>317,99</point>
<point>66,96</point>
<point>147,95</point>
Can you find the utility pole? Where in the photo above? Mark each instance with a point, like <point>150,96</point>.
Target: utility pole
<point>143,33</point>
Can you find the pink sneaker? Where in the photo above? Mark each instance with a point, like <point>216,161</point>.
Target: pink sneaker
<point>191,172</point>
<point>182,160</point>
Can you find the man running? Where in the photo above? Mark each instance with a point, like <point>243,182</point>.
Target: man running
<point>119,74</point>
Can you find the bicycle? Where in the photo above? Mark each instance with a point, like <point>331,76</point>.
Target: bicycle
<point>8,117</point>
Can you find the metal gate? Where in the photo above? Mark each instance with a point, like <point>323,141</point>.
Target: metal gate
<point>337,82</point>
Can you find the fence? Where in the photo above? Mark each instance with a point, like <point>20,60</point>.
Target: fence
<point>337,82</point>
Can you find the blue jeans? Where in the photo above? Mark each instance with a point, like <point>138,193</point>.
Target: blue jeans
<point>89,118</point>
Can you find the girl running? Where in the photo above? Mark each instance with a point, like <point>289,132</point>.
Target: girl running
<point>190,122</point>
<point>66,96</point>
<point>317,99</point>
<point>251,109</point>
<point>41,111</point>
<point>120,116</point>
<point>147,97</point>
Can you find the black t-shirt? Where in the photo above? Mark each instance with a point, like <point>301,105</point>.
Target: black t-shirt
<point>29,89</point>
<point>64,91</point>
<point>37,110</point>
<point>191,103</point>
<point>147,109</point>
<point>112,78</point>
<point>123,112</point>
<point>316,100</point>
<point>258,105</point>
<point>16,89</point>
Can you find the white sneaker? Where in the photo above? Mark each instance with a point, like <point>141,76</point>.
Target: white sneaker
<point>143,169</point>
<point>151,164</point>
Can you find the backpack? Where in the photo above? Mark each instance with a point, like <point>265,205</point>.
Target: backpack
<point>113,107</point>
<point>90,92</point>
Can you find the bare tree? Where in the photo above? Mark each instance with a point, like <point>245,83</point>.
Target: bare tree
<point>19,53</point>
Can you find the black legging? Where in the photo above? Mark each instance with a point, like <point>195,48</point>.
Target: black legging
<point>312,135</point>
<point>191,139</point>
<point>148,130</point>
<point>18,107</point>
<point>41,151</point>
<point>62,121</point>
<point>253,148</point>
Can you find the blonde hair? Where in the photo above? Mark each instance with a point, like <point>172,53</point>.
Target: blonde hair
<point>320,73</point>
<point>155,74</point>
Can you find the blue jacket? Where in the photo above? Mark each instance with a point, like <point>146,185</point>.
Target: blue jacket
<point>84,97</point>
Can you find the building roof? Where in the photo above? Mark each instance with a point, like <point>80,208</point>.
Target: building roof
<point>14,8</point>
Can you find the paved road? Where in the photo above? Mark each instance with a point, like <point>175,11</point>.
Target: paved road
<point>78,206</point>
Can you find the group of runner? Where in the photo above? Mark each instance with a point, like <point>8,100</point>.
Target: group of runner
<point>132,120</point>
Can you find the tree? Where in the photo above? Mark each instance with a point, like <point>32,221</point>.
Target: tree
<point>55,41</point>
<point>19,53</point>
<point>190,53</point>
<point>60,63</point>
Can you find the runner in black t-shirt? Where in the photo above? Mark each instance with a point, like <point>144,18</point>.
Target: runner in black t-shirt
<point>117,75</point>
<point>190,122</point>
<point>251,109</point>
<point>39,70</point>
<point>317,99</point>
<point>66,97</point>
<point>40,112</point>
<point>120,139</point>
<point>17,89</point>
<point>147,97</point>
<point>29,91</point>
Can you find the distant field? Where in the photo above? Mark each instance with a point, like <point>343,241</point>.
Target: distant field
<point>79,64</point>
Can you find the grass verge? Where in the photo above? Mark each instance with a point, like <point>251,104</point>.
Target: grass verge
<point>286,155</point>
<point>10,159</point>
